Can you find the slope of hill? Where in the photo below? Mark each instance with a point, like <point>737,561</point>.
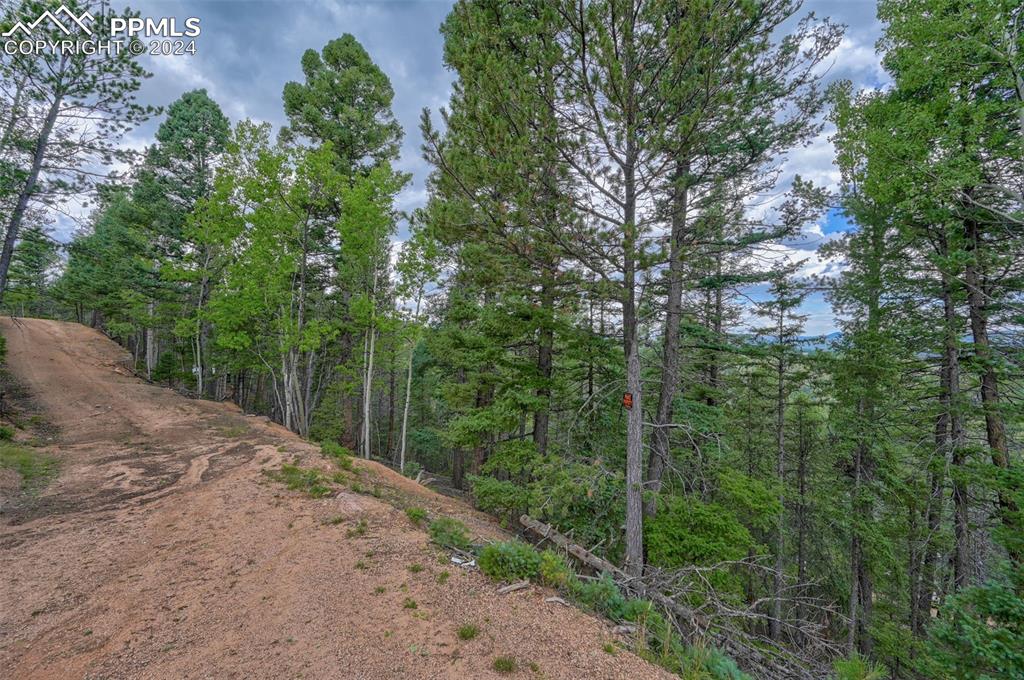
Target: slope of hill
<point>162,551</point>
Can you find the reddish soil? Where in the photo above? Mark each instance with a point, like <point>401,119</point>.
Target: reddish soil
<point>163,551</point>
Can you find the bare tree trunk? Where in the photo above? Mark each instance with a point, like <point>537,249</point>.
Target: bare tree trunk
<point>389,442</point>
<point>368,389</point>
<point>151,357</point>
<point>408,391</point>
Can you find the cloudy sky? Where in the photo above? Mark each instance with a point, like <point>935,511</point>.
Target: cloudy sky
<point>248,50</point>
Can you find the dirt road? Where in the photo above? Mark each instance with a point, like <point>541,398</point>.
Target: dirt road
<point>163,551</point>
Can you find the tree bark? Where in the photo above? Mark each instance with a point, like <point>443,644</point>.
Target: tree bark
<point>21,207</point>
<point>660,447</point>
<point>995,427</point>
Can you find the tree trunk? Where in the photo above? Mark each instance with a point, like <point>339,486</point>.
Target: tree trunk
<point>660,448</point>
<point>995,427</point>
<point>14,224</point>
<point>545,366</point>
<point>368,389</point>
<point>778,582</point>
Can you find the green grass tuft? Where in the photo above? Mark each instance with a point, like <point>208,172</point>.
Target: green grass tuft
<point>504,665</point>
<point>468,632</point>
<point>35,469</point>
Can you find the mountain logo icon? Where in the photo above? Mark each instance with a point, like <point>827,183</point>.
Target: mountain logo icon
<point>66,25</point>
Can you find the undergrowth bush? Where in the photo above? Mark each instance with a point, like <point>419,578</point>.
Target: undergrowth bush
<point>554,571</point>
<point>509,561</point>
<point>310,480</point>
<point>449,532</point>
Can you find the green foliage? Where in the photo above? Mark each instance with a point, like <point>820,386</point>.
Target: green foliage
<point>449,532</point>
<point>412,469</point>
<point>468,631</point>
<point>509,561</point>
<point>503,498</point>
<point>705,663</point>
<point>857,667</point>
<point>416,515</point>
<point>310,480</point>
<point>600,595</point>
<point>6,433</point>
<point>980,632</point>
<point>686,531</point>
<point>504,665</point>
<point>341,455</point>
<point>554,571</point>
<point>34,468</point>
<point>345,100</point>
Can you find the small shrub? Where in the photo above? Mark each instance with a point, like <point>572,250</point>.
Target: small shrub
<point>601,596</point>
<point>334,521</point>
<point>412,468</point>
<point>379,590</point>
<point>504,665</point>
<point>416,515</point>
<point>443,577</point>
<point>333,449</point>
<point>609,648</point>
<point>699,661</point>
<point>468,632</point>
<point>358,530</point>
<point>554,570</point>
<point>509,561</point>
<point>6,433</point>
<point>857,667</point>
<point>450,533</point>
<point>362,565</point>
<point>416,568</point>
<point>409,603</point>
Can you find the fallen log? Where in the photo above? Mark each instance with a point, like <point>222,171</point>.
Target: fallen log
<point>693,625</point>
<point>513,587</point>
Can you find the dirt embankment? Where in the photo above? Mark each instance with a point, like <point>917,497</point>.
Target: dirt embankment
<point>163,551</point>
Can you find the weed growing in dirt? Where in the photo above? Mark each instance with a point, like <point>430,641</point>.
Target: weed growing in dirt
<point>409,603</point>
<point>6,433</point>
<point>357,487</point>
<point>450,533</point>
<point>379,590</point>
<point>35,469</point>
<point>443,577</point>
<point>504,665</point>
<point>338,453</point>
<point>416,515</point>
<point>311,480</point>
<point>334,521</point>
<point>358,530</point>
<point>468,632</point>
<point>416,568</point>
<point>362,565</point>
<point>609,648</point>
